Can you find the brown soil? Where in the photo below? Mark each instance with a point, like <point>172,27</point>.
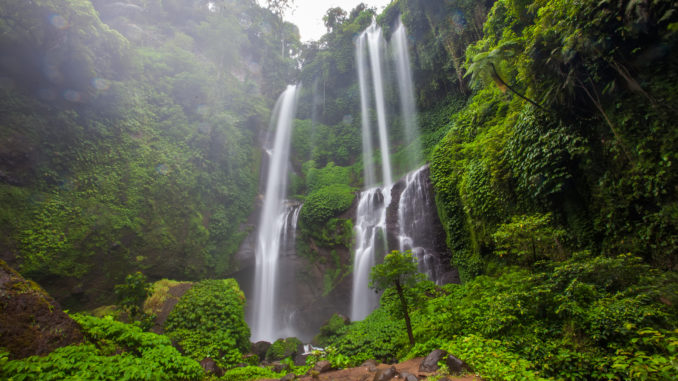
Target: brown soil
<point>363,373</point>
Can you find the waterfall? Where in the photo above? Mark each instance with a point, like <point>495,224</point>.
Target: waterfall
<point>416,211</point>
<point>406,92</point>
<point>375,45</point>
<point>370,226</point>
<point>415,208</point>
<point>370,232</point>
<point>368,164</point>
<point>272,231</point>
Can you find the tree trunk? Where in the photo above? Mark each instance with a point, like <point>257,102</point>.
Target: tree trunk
<point>403,304</point>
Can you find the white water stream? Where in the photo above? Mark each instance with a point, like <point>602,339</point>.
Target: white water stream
<point>273,222</point>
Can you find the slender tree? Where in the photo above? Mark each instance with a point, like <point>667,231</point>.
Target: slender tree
<point>399,270</point>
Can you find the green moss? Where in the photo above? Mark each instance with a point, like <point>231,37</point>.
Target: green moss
<point>160,293</point>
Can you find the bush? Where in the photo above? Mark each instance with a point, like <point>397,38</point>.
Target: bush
<point>325,203</point>
<point>378,337</point>
<point>208,321</point>
<point>331,330</point>
<point>283,348</point>
<point>115,351</point>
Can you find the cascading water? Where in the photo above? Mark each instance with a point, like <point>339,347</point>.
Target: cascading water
<point>370,232</point>
<point>375,46</point>
<point>272,223</point>
<point>370,227</point>
<point>415,208</point>
<point>368,164</point>
<point>406,91</point>
<point>415,218</point>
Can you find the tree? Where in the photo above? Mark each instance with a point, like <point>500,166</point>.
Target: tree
<point>484,65</point>
<point>279,7</point>
<point>333,18</point>
<point>132,293</point>
<point>399,270</point>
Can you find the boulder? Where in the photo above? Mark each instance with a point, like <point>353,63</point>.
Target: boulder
<point>408,376</point>
<point>31,321</point>
<point>430,363</point>
<point>322,366</point>
<point>288,377</point>
<point>371,365</point>
<point>260,348</point>
<point>300,359</point>
<point>279,366</point>
<point>386,375</point>
<point>456,366</point>
<point>211,367</point>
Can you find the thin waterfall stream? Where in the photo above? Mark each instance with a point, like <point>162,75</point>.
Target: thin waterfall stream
<point>273,222</point>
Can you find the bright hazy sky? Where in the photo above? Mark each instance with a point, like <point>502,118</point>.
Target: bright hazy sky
<point>308,14</point>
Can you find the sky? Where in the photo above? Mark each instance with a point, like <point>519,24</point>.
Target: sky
<point>308,14</point>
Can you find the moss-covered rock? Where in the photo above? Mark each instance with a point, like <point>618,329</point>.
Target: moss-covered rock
<point>165,294</point>
<point>31,321</point>
<point>283,348</point>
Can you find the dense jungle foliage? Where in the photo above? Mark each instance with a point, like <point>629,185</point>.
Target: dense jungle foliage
<point>131,143</point>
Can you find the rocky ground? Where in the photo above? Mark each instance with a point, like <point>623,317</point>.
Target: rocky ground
<point>410,370</point>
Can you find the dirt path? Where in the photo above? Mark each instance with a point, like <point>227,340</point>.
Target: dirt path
<point>363,373</point>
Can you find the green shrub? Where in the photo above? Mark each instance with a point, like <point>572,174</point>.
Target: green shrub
<point>283,348</point>
<point>325,203</point>
<point>208,321</point>
<point>115,351</point>
<point>248,373</point>
<point>331,330</point>
<point>379,337</point>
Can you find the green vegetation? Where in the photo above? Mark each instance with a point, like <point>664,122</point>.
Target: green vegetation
<point>398,270</point>
<point>132,294</point>
<point>129,140</point>
<point>209,321</point>
<point>283,348</point>
<point>114,351</point>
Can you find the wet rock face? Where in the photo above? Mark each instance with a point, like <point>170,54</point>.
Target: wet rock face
<point>412,221</point>
<point>31,321</point>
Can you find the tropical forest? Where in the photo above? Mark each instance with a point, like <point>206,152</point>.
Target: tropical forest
<point>428,190</point>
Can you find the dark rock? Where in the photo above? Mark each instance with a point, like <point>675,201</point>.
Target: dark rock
<point>211,367</point>
<point>430,363</point>
<point>322,366</point>
<point>408,376</point>
<point>260,348</point>
<point>456,366</point>
<point>31,321</point>
<point>279,367</point>
<point>300,359</point>
<point>386,375</point>
<point>289,377</point>
<point>371,365</point>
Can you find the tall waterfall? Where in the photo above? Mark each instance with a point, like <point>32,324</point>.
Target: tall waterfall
<point>375,45</point>
<point>370,226</point>
<point>406,91</point>
<point>273,220</point>
<point>372,232</point>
